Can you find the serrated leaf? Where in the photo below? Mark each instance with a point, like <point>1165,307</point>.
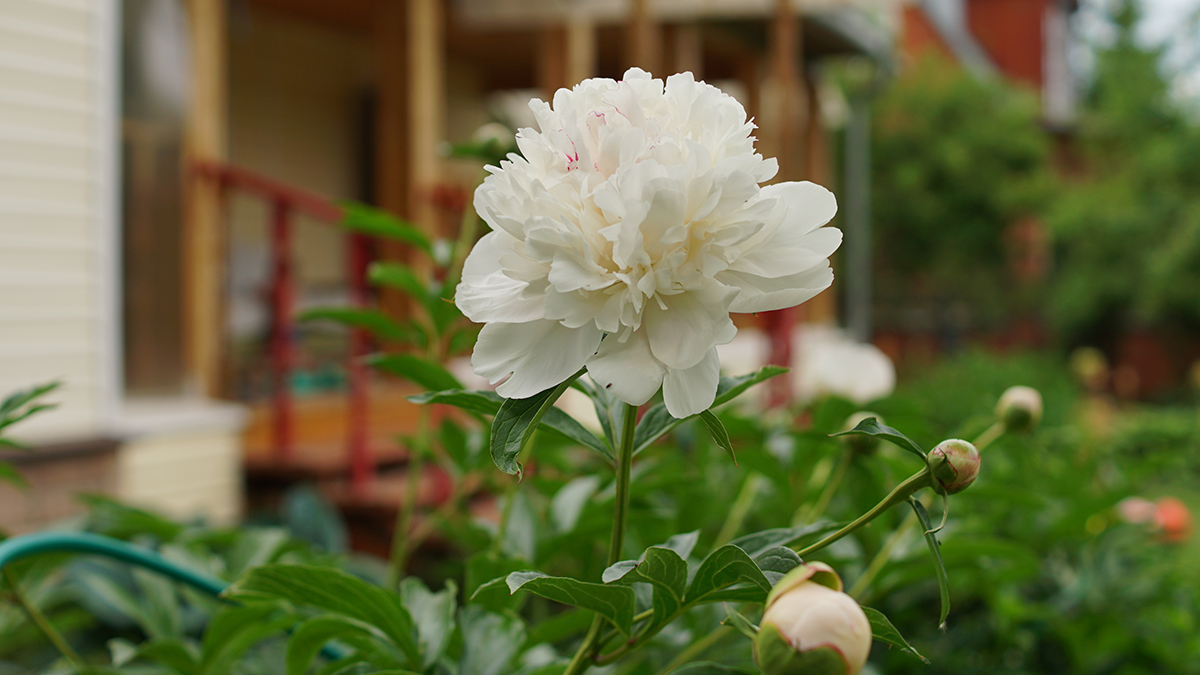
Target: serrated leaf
<point>722,568</point>
<point>490,641</point>
<point>757,542</point>
<point>743,625</point>
<point>657,421</point>
<point>883,630</point>
<point>379,223</point>
<point>434,615</point>
<point>333,591</point>
<point>379,324</point>
<point>935,549</point>
<point>663,569</point>
<point>396,276</point>
<point>515,422</point>
<point>614,603</point>
<point>428,374</point>
<point>309,637</point>
<point>776,562</point>
<point>718,433</point>
<point>489,402</point>
<point>872,427</point>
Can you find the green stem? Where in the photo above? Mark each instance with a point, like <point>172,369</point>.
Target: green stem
<point>990,435</point>
<point>881,558</point>
<point>40,620</point>
<point>899,494</point>
<point>822,503</point>
<point>585,655</point>
<point>739,510</point>
<point>696,648</point>
<point>401,534</point>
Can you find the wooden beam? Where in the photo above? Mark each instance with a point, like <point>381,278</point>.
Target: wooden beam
<point>643,42</point>
<point>391,107</point>
<point>688,50</point>
<point>788,91</point>
<point>581,50</point>
<point>552,60</point>
<point>426,108</point>
<point>204,138</point>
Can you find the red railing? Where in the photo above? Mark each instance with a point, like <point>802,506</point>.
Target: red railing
<point>285,202</point>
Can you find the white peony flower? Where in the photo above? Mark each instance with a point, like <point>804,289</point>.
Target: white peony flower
<point>631,228</point>
<point>829,362</point>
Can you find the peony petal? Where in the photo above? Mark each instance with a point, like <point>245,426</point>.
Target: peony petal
<point>808,206</point>
<point>761,294</point>
<point>539,354</point>
<point>486,294</point>
<point>627,370</point>
<point>691,391</point>
<point>691,324</point>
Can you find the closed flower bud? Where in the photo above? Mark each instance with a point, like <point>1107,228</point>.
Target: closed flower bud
<point>1020,408</point>
<point>861,443</point>
<point>955,464</point>
<point>811,627</point>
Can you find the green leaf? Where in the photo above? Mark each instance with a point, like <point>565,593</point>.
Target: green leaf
<point>312,635</point>
<point>486,574</point>
<point>110,517</point>
<point>776,562</point>
<point>160,610</point>
<point>229,621</point>
<point>515,422</point>
<point>872,427</point>
<point>174,654</point>
<point>428,374</point>
<point>10,408</point>
<point>657,421</point>
<point>379,223</point>
<point>742,624</point>
<point>489,402</point>
<point>719,435</point>
<point>433,614</point>
<point>490,641</point>
<point>722,568</point>
<point>222,660</point>
<point>373,320</point>
<point>397,276</point>
<point>9,474</point>
<point>884,631</point>
<point>333,591</point>
<point>705,668</point>
<point>614,603</point>
<point>755,543</point>
<point>662,568</point>
<point>569,501</point>
<point>935,549</point>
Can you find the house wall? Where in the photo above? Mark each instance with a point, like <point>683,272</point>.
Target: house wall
<point>57,210</point>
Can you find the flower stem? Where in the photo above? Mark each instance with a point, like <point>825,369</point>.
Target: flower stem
<point>822,503</point>
<point>881,558</point>
<point>739,510</point>
<point>900,493</point>
<point>35,615</point>
<point>585,655</point>
<point>402,544</point>
<point>696,648</point>
<point>991,434</point>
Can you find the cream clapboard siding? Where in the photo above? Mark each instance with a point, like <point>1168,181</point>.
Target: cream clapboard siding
<point>56,220</point>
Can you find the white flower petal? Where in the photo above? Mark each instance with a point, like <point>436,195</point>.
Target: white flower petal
<point>761,294</point>
<point>690,325</point>
<point>627,370</point>
<point>486,294</point>
<point>538,354</point>
<point>691,391</point>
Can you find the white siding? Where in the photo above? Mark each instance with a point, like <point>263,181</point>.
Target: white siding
<point>57,130</point>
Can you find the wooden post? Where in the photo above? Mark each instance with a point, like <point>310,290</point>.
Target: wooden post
<point>358,422</point>
<point>283,357</point>
<point>642,39</point>
<point>391,131</point>
<point>552,60</point>
<point>426,108</point>
<point>822,308</point>
<point>689,50</point>
<point>204,139</point>
<point>581,50</point>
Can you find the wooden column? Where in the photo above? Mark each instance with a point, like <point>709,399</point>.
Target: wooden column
<point>204,139</point>
<point>391,108</point>
<point>643,47</point>
<point>552,60</point>
<point>426,108</point>
<point>688,50</point>
<point>581,50</point>
<point>822,308</point>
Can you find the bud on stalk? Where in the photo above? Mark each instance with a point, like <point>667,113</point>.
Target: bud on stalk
<point>955,464</point>
<point>1020,408</point>
<point>811,627</point>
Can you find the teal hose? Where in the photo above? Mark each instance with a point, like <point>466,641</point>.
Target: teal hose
<point>29,545</point>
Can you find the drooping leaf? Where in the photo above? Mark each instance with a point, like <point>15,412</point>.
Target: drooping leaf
<point>872,427</point>
<point>306,642</point>
<point>489,402</point>
<point>379,324</point>
<point>221,660</point>
<point>657,421</point>
<point>935,549</point>
<point>883,630</point>
<point>742,624</point>
<point>490,641</point>
<point>333,591</point>
<point>755,543</point>
<point>663,569</point>
<point>719,435</point>
<point>614,603</point>
<point>776,562</point>
<point>364,219</point>
<point>428,374</point>
<point>434,615</point>
<point>485,583</point>
<point>723,568</point>
<point>400,277</point>
<point>515,422</point>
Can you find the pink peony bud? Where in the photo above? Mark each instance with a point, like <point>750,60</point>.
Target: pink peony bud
<point>955,464</point>
<point>1020,408</point>
<point>810,626</point>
